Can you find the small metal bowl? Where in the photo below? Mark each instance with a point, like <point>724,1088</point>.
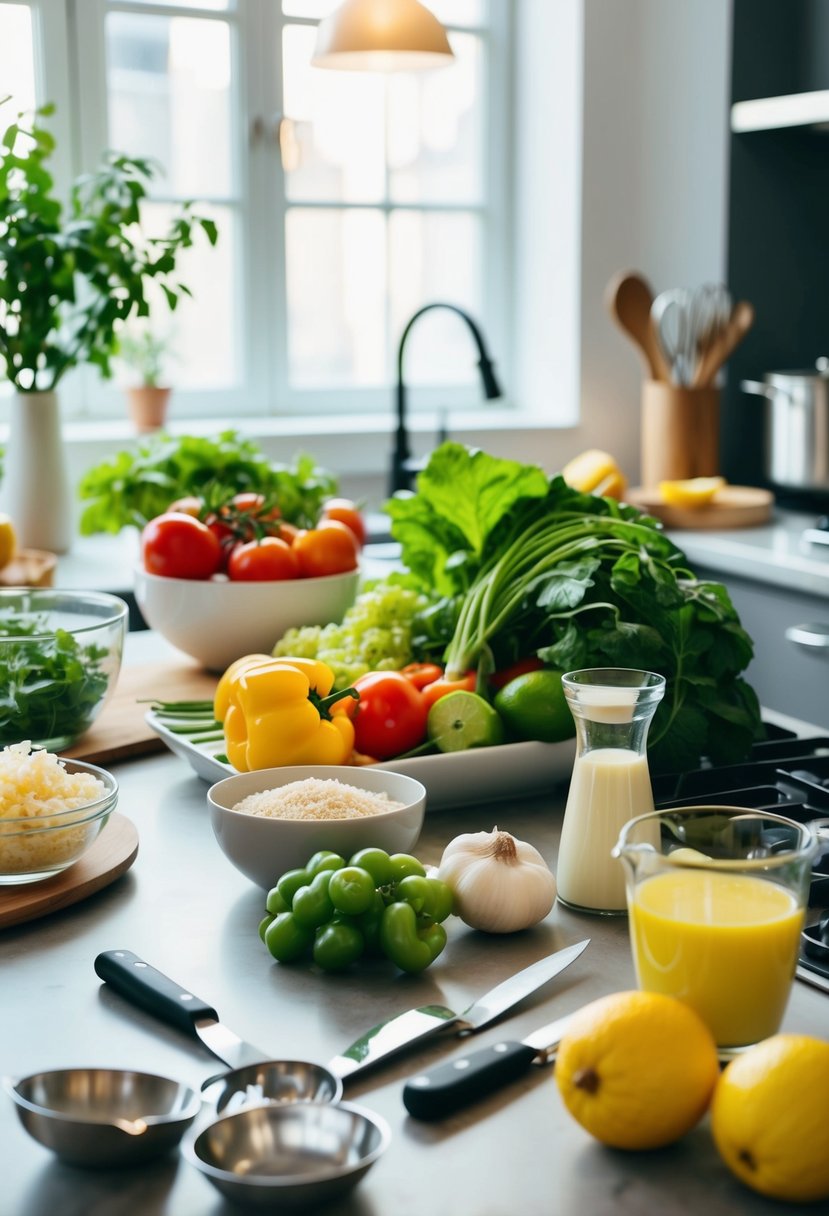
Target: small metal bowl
<point>103,1117</point>
<point>277,1081</point>
<point>297,1155</point>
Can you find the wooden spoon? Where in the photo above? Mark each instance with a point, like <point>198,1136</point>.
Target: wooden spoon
<point>723,346</point>
<point>629,299</point>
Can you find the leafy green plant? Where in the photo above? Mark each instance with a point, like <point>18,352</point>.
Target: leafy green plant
<point>139,484</point>
<point>70,277</point>
<point>145,352</point>
<point>526,565</point>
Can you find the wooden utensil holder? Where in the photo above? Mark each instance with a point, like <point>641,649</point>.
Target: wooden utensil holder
<point>680,432</point>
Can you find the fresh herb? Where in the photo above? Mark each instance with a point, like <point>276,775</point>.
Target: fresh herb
<point>139,484</point>
<point>50,686</point>
<point>527,565</point>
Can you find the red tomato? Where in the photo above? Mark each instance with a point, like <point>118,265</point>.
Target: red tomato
<point>250,503</point>
<point>439,688</point>
<point>499,678</point>
<point>422,674</point>
<point>262,561</point>
<point>329,549</point>
<point>176,545</point>
<point>189,505</point>
<point>288,532</point>
<point>346,512</point>
<point>391,715</point>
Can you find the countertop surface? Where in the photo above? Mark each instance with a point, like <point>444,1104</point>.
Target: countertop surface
<point>183,908</point>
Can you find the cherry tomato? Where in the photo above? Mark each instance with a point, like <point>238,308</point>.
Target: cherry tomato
<point>499,678</point>
<point>391,715</point>
<point>176,545</point>
<point>329,549</point>
<point>440,687</point>
<point>346,512</point>
<point>249,503</point>
<point>191,504</point>
<point>262,561</point>
<point>287,532</point>
<point>422,674</point>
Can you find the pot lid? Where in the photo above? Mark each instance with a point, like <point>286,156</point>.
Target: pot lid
<point>804,375</point>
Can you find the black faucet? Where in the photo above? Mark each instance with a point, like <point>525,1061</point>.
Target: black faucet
<point>403,467</point>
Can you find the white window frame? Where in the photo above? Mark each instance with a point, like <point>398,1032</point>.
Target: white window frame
<point>70,58</point>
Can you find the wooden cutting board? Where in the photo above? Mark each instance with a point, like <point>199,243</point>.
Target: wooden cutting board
<point>109,857</point>
<point>120,730</point>
<point>732,507</point>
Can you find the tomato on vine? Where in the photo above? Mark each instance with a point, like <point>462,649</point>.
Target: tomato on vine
<point>177,545</point>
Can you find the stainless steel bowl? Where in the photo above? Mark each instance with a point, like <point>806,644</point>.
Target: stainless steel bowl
<point>296,1155</point>
<point>103,1117</point>
<point>278,1081</point>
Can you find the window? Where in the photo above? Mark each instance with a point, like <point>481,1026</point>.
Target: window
<point>344,201</point>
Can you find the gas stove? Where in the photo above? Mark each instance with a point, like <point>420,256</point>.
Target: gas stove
<point>785,775</point>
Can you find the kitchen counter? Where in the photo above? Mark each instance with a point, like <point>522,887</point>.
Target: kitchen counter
<point>184,909</point>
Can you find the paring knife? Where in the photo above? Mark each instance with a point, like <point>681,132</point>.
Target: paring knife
<point>445,1089</point>
<point>142,985</point>
<point>415,1024</point>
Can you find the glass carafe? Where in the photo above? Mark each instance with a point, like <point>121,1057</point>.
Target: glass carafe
<point>613,708</point>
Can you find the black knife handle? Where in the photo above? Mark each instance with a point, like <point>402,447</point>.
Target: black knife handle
<point>447,1088</point>
<point>142,985</point>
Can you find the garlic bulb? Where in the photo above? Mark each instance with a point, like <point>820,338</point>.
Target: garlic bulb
<point>500,884</point>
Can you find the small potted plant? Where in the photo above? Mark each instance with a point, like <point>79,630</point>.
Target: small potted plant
<point>145,353</point>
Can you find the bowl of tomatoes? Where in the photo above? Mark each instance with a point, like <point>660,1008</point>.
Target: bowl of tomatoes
<point>221,584</point>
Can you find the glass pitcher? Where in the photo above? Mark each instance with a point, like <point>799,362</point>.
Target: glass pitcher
<point>613,708</point>
<point>717,898</point>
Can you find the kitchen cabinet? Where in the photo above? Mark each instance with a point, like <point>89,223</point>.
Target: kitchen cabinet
<point>790,630</point>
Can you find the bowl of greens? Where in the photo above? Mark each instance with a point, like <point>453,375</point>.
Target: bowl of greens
<point>60,655</point>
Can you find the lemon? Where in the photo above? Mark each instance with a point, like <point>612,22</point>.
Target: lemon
<point>769,1117</point>
<point>696,492</point>
<point>8,540</point>
<point>637,1069</point>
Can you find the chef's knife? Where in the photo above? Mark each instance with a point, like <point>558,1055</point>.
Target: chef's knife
<point>445,1089</point>
<point>415,1024</point>
<point>142,985</point>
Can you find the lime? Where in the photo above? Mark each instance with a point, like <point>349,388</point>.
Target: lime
<point>461,720</point>
<point>533,706</point>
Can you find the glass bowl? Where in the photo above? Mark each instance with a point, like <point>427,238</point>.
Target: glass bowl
<point>60,655</point>
<point>34,847</point>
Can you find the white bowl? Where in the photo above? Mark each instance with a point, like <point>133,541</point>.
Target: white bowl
<point>263,848</point>
<point>217,621</point>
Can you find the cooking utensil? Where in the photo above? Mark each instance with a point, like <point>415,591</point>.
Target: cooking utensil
<point>415,1024</point>
<point>689,322</point>
<point>629,299</point>
<point>797,426</point>
<point>280,1157</point>
<point>721,348</point>
<point>253,1077</point>
<point>103,1117</point>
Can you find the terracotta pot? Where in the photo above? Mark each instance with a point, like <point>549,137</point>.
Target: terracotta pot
<point>148,407</point>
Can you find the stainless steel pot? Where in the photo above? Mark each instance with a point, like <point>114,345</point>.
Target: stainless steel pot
<point>797,426</point>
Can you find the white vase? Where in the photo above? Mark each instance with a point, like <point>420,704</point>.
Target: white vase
<point>35,489</point>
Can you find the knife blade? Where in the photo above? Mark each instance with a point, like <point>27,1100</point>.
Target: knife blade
<point>142,985</point>
<point>415,1024</point>
<point>445,1089</point>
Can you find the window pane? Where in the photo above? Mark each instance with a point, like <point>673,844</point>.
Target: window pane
<point>435,145</point>
<point>202,331</point>
<point>435,256</point>
<point>17,72</point>
<point>169,90</point>
<point>337,128</point>
<point>336,293</point>
<point>217,4</point>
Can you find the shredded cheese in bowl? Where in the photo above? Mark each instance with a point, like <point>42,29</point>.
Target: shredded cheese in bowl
<point>50,810</point>
<point>317,798</point>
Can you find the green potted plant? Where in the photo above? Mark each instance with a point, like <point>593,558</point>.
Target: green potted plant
<point>70,277</point>
<point>145,354</point>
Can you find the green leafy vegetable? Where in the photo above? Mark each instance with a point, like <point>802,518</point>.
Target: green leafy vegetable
<point>50,687</point>
<point>137,485</point>
<point>581,581</point>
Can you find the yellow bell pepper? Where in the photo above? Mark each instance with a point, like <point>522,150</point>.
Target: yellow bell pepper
<point>276,712</point>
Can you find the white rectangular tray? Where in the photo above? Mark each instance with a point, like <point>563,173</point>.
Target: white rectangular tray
<point>486,774</point>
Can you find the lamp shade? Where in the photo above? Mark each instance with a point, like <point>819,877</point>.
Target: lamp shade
<point>381,36</point>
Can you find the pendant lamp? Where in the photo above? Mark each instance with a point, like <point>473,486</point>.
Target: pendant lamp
<point>381,36</point>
